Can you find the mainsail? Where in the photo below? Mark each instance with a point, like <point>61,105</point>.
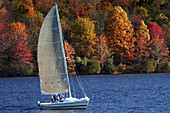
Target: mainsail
<point>51,56</point>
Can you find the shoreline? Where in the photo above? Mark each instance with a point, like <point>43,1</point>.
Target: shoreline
<point>123,74</point>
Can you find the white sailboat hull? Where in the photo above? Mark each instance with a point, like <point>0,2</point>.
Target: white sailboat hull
<point>68,103</point>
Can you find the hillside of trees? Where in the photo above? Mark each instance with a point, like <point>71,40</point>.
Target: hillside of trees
<point>102,36</point>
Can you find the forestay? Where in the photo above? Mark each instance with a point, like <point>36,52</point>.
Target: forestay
<point>52,67</point>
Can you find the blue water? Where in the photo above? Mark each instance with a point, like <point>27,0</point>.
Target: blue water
<point>108,94</point>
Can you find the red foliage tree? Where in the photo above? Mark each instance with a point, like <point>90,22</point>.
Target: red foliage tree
<point>155,30</point>
<point>158,44</point>
<point>20,51</point>
<point>3,44</point>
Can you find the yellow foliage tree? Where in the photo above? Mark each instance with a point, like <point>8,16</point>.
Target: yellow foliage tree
<point>120,33</point>
<point>84,38</point>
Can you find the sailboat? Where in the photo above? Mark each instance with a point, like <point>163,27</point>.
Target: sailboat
<point>52,65</point>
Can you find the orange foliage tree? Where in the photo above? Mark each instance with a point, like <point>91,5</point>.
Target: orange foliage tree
<point>70,54</point>
<point>15,29</point>
<point>84,38</point>
<point>120,33</point>
<point>142,49</point>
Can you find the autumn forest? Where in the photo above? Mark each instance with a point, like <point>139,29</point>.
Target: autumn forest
<point>101,36</point>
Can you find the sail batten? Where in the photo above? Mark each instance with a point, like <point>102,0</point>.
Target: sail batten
<point>52,69</point>
<point>51,58</point>
<point>51,16</point>
<point>49,29</point>
<point>54,75</point>
<point>49,43</point>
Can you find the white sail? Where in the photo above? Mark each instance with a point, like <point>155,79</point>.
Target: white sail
<point>51,57</point>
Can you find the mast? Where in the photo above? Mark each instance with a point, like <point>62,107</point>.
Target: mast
<point>62,47</point>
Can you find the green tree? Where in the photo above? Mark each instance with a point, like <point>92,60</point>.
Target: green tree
<point>150,65</point>
<point>165,67</point>
<point>81,66</point>
<point>109,67</point>
<point>143,12</point>
<point>93,67</point>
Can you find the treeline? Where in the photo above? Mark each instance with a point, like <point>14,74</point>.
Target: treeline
<point>102,36</point>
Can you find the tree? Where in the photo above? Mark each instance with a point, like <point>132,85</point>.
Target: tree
<point>16,29</point>
<point>120,33</point>
<point>143,12</point>
<point>142,47</point>
<point>104,52</point>
<point>93,67</point>
<point>3,44</point>
<point>150,65</point>
<point>159,51</point>
<point>109,67</point>
<point>84,38</point>
<point>81,66</point>
<point>20,52</point>
<point>99,14</point>
<point>70,54</point>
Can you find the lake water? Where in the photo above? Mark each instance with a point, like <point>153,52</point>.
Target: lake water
<point>108,94</point>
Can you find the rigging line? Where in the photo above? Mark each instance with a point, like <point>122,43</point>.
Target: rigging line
<point>78,79</point>
<point>80,83</point>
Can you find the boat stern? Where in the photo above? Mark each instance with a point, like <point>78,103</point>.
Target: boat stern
<point>38,103</point>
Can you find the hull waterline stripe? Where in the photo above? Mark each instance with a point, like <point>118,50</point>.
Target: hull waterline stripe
<point>53,75</point>
<point>49,29</point>
<point>65,107</point>
<point>50,58</point>
<point>49,43</point>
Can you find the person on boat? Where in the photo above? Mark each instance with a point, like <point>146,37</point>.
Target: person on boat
<point>61,98</point>
<point>55,98</point>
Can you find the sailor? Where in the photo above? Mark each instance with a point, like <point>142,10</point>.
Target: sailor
<point>55,98</point>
